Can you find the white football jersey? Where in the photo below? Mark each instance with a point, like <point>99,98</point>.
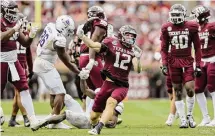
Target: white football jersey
<point>45,48</point>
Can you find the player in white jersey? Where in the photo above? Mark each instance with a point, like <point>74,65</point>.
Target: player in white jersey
<point>75,114</point>
<point>51,45</point>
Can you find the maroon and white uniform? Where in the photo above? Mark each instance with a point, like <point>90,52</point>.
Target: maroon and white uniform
<point>207,79</point>
<point>11,69</point>
<point>177,42</point>
<point>95,80</point>
<point>118,62</point>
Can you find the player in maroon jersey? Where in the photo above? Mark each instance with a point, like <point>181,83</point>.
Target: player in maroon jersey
<point>207,80</point>
<point>11,69</point>
<point>119,55</point>
<point>177,37</point>
<point>96,29</point>
<point>25,59</point>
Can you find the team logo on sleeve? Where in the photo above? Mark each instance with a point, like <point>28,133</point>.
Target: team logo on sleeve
<point>169,28</point>
<point>114,42</point>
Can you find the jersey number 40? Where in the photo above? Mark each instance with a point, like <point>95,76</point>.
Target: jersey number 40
<point>180,41</point>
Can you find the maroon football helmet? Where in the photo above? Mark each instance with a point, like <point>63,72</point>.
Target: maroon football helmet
<point>201,13</point>
<point>128,42</point>
<point>96,11</point>
<point>9,10</point>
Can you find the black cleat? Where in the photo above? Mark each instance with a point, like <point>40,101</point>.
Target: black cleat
<point>13,123</point>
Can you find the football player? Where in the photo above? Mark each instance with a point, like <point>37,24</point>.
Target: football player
<point>75,114</point>
<point>96,28</point>
<point>11,69</point>
<point>25,59</point>
<point>51,45</point>
<point>119,54</point>
<point>207,38</point>
<point>177,37</point>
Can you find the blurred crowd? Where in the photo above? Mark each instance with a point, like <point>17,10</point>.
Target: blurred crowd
<point>146,16</point>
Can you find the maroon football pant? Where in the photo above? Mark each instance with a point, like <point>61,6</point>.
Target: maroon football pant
<point>95,80</point>
<point>207,79</point>
<point>181,75</point>
<point>6,76</point>
<point>108,89</point>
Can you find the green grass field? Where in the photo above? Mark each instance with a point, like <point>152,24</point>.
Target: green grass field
<point>140,118</point>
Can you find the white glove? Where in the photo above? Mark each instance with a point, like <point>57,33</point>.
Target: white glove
<point>33,31</point>
<point>84,74</point>
<point>90,64</point>
<point>18,25</point>
<point>137,51</point>
<point>80,32</point>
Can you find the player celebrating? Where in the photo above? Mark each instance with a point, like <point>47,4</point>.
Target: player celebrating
<point>52,45</point>
<point>177,36</point>
<point>11,69</point>
<point>25,59</point>
<point>118,53</point>
<point>207,38</point>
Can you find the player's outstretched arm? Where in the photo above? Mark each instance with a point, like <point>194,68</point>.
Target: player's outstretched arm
<point>66,60</point>
<point>86,90</point>
<point>96,46</point>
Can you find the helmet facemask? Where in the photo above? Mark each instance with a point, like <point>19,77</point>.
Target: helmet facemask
<point>11,15</point>
<point>176,17</point>
<point>177,14</point>
<point>127,35</point>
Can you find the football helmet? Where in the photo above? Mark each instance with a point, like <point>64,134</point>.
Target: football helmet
<point>177,14</point>
<point>9,10</point>
<point>65,25</point>
<point>96,11</point>
<point>201,13</point>
<point>128,42</point>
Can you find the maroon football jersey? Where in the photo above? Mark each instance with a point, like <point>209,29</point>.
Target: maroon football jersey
<point>10,44</point>
<point>118,59</point>
<point>207,41</point>
<point>177,41</point>
<point>97,22</point>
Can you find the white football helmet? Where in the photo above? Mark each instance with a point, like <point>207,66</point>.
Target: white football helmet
<point>65,25</point>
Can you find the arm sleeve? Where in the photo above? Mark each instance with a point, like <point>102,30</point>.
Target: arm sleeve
<point>197,47</point>
<point>164,46</point>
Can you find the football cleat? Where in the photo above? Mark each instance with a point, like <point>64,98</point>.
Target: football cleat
<point>205,121</point>
<point>26,122</point>
<point>170,120</point>
<point>38,124</point>
<point>183,124</point>
<point>211,124</point>
<point>93,131</point>
<point>191,121</point>
<point>60,125</point>
<point>1,130</point>
<point>13,123</point>
<point>119,121</point>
